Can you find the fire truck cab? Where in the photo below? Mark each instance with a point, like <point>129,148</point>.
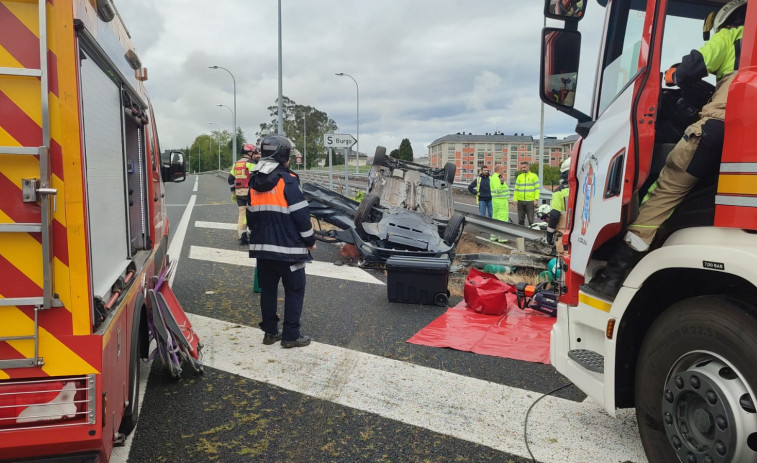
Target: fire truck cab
<point>83,229</point>
<point>679,341</point>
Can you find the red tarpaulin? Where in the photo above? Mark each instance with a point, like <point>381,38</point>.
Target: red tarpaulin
<point>516,334</point>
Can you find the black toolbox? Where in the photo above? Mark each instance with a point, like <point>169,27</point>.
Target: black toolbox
<point>418,280</point>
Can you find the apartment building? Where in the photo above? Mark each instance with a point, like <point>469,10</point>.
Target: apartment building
<point>470,152</point>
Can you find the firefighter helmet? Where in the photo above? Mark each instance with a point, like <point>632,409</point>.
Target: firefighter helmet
<point>276,147</point>
<point>732,13</point>
<point>565,166</point>
<point>248,149</point>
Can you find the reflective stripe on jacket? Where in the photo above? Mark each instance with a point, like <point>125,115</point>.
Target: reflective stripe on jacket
<point>241,171</point>
<point>500,190</point>
<point>279,218</point>
<point>526,187</point>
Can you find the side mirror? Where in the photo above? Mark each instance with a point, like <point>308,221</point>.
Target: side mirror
<point>565,10</point>
<point>178,167</point>
<point>561,52</point>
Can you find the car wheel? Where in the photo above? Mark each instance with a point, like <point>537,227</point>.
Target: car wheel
<point>449,172</point>
<point>696,383</point>
<point>364,211</point>
<point>454,229</point>
<point>380,158</point>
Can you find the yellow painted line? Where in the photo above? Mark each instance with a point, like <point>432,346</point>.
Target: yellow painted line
<point>737,184</point>
<point>27,13</point>
<point>594,302</point>
<point>59,359</point>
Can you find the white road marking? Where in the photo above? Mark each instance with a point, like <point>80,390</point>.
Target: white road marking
<point>177,242</point>
<point>216,225</point>
<point>482,412</point>
<point>316,268</point>
<point>197,181</point>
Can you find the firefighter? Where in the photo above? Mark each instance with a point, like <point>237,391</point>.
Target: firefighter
<point>281,238</point>
<point>239,180</point>
<point>481,187</point>
<point>500,196</point>
<point>526,194</point>
<point>559,202</point>
<point>696,154</point>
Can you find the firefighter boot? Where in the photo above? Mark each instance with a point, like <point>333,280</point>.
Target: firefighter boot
<point>244,239</point>
<point>607,282</point>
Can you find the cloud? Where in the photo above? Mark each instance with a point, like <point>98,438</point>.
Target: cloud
<point>425,68</point>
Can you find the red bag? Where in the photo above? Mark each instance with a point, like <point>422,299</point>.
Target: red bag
<point>485,293</point>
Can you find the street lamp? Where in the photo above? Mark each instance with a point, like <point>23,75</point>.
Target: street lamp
<point>305,140</point>
<point>232,117</point>
<point>219,143</point>
<point>234,114</point>
<point>357,87</point>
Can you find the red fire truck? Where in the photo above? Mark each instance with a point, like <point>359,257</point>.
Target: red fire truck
<point>679,341</point>
<point>83,229</point>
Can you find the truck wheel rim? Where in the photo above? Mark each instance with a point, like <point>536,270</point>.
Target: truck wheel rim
<point>708,411</point>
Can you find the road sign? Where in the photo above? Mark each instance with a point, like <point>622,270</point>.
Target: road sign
<point>298,158</point>
<point>337,140</point>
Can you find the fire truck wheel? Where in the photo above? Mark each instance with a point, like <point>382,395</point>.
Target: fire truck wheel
<point>131,413</point>
<point>696,383</point>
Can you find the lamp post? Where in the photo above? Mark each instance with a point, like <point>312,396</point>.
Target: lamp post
<point>232,117</point>
<point>219,143</point>
<point>280,117</point>
<point>357,87</point>
<point>305,140</point>
<point>234,114</point>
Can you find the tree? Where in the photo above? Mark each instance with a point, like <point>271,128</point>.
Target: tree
<point>295,118</point>
<point>395,154</point>
<point>551,174</point>
<point>405,151</point>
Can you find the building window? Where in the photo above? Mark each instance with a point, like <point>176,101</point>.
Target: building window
<point>498,147</point>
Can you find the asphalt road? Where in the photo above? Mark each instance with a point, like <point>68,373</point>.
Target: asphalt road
<point>360,393</point>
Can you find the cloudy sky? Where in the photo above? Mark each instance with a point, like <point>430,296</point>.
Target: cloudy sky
<point>426,68</point>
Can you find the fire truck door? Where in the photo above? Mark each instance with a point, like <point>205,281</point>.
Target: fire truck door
<point>604,152</point>
<point>105,178</point>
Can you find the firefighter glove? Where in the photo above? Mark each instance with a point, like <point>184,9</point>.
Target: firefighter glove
<point>670,76</point>
<point>550,237</point>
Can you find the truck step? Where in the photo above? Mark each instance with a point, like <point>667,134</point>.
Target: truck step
<point>588,359</point>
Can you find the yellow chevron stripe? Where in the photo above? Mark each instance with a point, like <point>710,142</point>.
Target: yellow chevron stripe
<point>24,92</point>
<point>59,359</point>
<point>27,13</point>
<point>6,139</point>
<point>4,375</point>
<point>594,302</point>
<point>737,184</point>
<point>7,60</point>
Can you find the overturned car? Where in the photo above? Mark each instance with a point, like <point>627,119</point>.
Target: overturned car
<point>407,211</point>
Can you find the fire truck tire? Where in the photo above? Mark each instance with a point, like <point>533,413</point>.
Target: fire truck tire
<point>131,414</point>
<point>696,382</point>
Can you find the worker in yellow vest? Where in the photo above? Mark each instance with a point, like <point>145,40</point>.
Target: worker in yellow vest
<point>526,194</point>
<point>500,196</point>
<point>239,179</point>
<point>557,219</point>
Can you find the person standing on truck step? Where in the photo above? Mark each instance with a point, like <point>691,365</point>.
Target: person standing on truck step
<point>481,188</point>
<point>526,195</point>
<point>695,155</point>
<point>500,196</point>
<point>281,237</point>
<point>239,179</point>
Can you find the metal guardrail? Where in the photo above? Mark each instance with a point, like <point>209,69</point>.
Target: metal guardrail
<point>498,227</point>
